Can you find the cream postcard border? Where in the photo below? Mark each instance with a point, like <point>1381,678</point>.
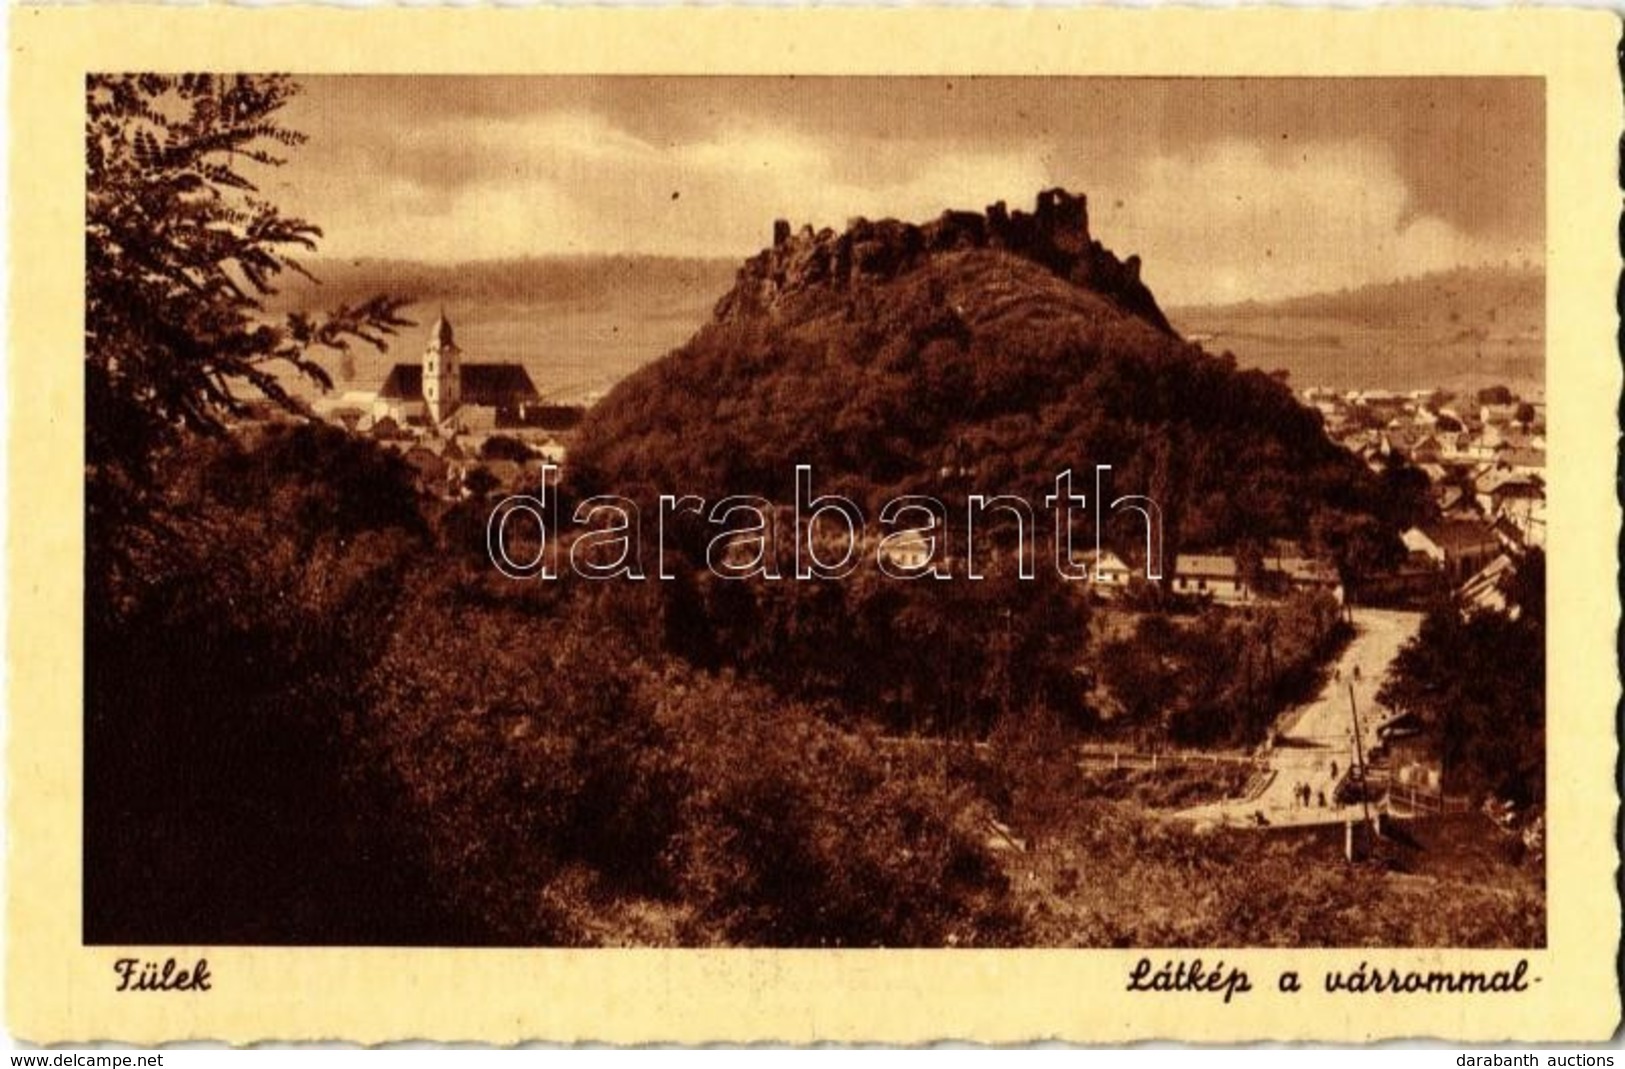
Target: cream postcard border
<point>58,990</point>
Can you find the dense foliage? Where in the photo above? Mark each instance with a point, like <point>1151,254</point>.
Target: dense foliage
<point>941,657</point>
<point>556,773</point>
<point>1223,677</point>
<point>1478,683</point>
<point>221,800</point>
<point>982,372</point>
<point>308,728</point>
<point>314,713</point>
<point>181,251</point>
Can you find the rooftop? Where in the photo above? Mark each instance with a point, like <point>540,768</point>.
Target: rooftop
<point>497,385</point>
<point>1206,564</point>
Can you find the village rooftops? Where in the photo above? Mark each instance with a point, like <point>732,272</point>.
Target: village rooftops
<point>1487,588</point>
<point>1500,481</point>
<point>1457,537</point>
<point>1526,459</point>
<point>1303,570</point>
<point>1296,567</point>
<point>1105,562</point>
<point>1206,565</point>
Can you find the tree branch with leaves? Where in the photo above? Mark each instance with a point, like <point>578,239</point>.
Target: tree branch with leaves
<point>180,252</point>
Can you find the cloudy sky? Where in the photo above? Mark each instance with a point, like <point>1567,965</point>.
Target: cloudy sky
<point>1228,189</point>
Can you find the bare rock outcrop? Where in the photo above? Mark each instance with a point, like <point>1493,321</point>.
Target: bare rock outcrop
<point>1055,234</point>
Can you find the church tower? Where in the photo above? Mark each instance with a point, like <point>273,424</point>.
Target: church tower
<point>442,372</point>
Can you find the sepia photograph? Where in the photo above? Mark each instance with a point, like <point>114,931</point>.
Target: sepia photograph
<point>812,527</point>
<point>819,511</point>
<point>814,512</point>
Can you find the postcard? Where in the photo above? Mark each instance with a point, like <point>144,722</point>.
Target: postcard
<point>725,525</point>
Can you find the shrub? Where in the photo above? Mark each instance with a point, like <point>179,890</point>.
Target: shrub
<point>800,836</point>
<point>222,802</point>
<point>556,781</point>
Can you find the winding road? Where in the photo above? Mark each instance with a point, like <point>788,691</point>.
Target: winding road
<point>1314,739</point>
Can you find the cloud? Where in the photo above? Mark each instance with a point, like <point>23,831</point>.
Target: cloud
<point>1220,220</point>
<point>1234,221</point>
<point>573,182</point>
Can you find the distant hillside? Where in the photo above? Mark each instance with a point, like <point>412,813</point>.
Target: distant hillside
<point>1460,329</point>
<point>891,354</point>
<point>580,324</point>
<point>577,323</point>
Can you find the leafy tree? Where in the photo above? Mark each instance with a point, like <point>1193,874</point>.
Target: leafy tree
<point>1356,543</point>
<point>505,447</point>
<point>220,703</point>
<point>1224,676</point>
<point>1478,684</point>
<point>480,482</point>
<point>180,250</point>
<point>1136,671</point>
<point>235,584</point>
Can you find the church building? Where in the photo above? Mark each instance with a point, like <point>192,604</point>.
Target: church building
<point>450,395</point>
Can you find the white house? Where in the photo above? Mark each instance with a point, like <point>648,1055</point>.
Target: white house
<point>1212,575</point>
<point>1108,575</point>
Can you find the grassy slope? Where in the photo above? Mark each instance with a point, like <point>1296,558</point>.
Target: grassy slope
<point>1114,876</point>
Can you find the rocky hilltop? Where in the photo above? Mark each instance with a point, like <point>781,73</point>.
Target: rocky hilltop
<point>1055,235</point>
<point>1000,349</point>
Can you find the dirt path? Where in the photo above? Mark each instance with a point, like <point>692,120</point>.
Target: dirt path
<point>1314,743</point>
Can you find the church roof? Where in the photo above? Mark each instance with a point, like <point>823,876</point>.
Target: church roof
<point>440,332</point>
<point>498,385</point>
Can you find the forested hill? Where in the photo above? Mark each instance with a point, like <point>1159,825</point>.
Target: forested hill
<point>897,358</point>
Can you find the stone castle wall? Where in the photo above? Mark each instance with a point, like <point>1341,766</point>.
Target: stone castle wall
<point>1055,234</point>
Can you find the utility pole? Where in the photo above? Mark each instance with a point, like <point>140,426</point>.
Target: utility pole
<point>1359,756</point>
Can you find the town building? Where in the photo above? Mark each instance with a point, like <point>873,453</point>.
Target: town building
<point>1214,575</point>
<point>1109,575</point>
<point>450,395</point>
<point>907,551</point>
<point>1457,547</point>
<point>1294,571</point>
<point>1283,569</point>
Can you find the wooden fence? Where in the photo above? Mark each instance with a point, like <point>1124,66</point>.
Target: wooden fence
<point>1097,755</point>
<point>1423,801</point>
